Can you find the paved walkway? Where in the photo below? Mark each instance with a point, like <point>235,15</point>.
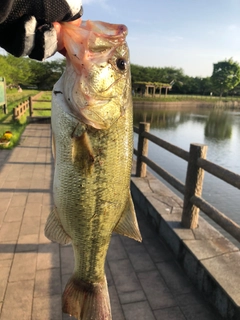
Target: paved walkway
<point>145,282</point>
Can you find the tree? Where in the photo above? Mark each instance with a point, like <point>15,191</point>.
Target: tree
<point>15,70</point>
<point>225,76</point>
<point>154,74</point>
<point>45,74</point>
<point>27,72</point>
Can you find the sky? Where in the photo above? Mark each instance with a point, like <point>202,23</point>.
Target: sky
<point>187,34</point>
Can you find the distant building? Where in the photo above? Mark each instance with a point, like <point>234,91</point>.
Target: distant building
<point>151,89</point>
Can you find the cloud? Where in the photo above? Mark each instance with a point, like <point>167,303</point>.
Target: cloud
<point>232,27</point>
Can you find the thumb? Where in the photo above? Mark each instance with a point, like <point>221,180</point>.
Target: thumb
<point>59,31</point>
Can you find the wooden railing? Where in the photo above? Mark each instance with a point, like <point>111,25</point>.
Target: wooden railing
<point>21,109</point>
<point>28,105</point>
<point>192,190</point>
<point>35,99</point>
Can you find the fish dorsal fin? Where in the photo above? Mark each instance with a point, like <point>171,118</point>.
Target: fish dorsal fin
<point>128,225</point>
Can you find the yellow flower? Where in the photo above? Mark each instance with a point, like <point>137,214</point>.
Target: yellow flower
<point>7,135</point>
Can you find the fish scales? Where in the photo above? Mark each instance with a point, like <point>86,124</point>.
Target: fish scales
<point>100,194</point>
<point>92,147</point>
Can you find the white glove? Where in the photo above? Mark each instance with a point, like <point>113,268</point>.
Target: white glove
<point>26,25</point>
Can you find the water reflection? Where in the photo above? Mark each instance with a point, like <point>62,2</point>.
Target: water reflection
<point>160,118</point>
<point>218,126</point>
<point>157,118</point>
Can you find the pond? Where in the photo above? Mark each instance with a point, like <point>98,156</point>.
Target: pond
<point>217,128</point>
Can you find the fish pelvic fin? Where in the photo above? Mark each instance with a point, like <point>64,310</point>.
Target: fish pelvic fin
<point>128,225</point>
<point>54,230</point>
<point>86,301</point>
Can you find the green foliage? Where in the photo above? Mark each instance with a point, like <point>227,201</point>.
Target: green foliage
<point>225,76</point>
<point>182,84</point>
<point>30,73</point>
<point>153,74</point>
<point>43,75</point>
<point>46,74</point>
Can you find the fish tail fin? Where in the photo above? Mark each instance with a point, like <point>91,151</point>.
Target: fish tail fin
<point>86,300</point>
<point>54,231</point>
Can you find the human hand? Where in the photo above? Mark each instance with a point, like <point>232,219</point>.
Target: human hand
<point>26,26</point>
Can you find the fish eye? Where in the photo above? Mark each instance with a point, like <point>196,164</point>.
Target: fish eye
<point>121,64</point>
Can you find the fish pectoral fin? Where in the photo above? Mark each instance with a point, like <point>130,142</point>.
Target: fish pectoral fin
<point>54,231</point>
<point>82,152</point>
<point>128,225</point>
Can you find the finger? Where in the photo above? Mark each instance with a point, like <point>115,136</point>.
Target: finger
<point>58,28</point>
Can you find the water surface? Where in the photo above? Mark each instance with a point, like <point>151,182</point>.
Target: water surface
<point>216,128</point>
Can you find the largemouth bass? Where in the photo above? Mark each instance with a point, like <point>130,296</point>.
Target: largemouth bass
<point>92,133</point>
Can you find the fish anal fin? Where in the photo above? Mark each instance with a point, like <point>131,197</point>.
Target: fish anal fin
<point>86,301</point>
<point>82,152</point>
<point>54,231</point>
<point>128,225</point>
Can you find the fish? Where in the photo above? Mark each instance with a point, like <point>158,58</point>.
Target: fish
<point>92,143</point>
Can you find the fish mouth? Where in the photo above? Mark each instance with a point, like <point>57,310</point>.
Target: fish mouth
<point>93,77</point>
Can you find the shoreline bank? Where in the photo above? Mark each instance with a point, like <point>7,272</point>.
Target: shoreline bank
<point>186,104</point>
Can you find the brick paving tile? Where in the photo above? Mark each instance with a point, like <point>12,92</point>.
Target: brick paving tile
<point>47,307</point>
<point>173,313</point>
<point>17,303</point>
<point>145,283</point>
<point>23,267</point>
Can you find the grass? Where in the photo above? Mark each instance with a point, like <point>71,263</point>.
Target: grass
<point>14,98</point>
<point>17,127</point>
<point>43,105</point>
<point>176,98</point>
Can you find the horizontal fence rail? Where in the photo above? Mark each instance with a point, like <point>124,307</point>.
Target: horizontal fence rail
<point>20,109</point>
<point>220,172</point>
<point>217,216</point>
<point>192,190</point>
<point>36,99</point>
<point>167,146</point>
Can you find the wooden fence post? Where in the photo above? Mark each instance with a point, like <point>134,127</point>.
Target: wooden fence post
<point>15,113</point>
<point>142,149</point>
<point>193,185</point>
<point>30,106</point>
